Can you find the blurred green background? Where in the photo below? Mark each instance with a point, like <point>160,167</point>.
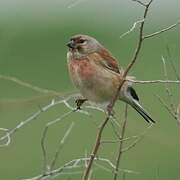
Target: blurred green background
<point>33,35</point>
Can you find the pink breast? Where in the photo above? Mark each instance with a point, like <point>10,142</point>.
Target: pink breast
<point>82,68</point>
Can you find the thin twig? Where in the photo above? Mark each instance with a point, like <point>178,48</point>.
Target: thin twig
<point>119,140</point>
<point>124,175</point>
<point>172,109</point>
<point>7,139</point>
<point>140,40</point>
<point>112,103</point>
<point>121,144</point>
<point>178,113</point>
<point>95,149</point>
<point>166,106</point>
<point>153,81</point>
<point>114,130</point>
<point>169,94</point>
<point>60,146</point>
<point>161,31</point>
<point>140,2</point>
<point>45,164</point>
<point>103,167</point>
<point>76,164</point>
<point>30,86</point>
<point>141,136</point>
<point>9,132</point>
<point>132,28</point>
<point>172,63</point>
<point>128,138</point>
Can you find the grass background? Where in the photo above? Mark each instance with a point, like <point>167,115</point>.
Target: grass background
<point>32,48</point>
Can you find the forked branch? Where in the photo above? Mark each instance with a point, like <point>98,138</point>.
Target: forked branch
<point>112,103</point>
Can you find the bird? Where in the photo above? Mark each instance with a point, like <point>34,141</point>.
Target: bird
<point>96,74</point>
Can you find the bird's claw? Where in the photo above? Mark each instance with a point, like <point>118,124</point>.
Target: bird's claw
<point>110,110</point>
<point>79,103</point>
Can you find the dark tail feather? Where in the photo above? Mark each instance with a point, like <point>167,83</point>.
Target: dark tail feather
<point>135,104</point>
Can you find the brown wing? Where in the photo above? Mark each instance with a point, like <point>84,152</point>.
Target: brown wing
<point>107,60</point>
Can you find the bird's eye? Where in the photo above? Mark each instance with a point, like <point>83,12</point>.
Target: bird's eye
<point>82,41</point>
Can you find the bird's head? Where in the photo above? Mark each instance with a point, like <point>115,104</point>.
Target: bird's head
<point>83,44</point>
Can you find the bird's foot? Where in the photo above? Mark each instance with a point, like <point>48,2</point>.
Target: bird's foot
<point>79,103</point>
<point>110,110</point>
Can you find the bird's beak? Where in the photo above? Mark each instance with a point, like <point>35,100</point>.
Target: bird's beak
<point>71,44</point>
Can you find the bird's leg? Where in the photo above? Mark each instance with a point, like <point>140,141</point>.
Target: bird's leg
<point>110,111</point>
<point>79,103</point>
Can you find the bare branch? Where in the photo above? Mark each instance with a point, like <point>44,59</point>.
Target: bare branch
<point>153,81</point>
<point>64,101</point>
<point>172,63</point>
<point>169,94</point>
<point>116,133</point>
<point>140,41</point>
<point>7,139</point>
<point>128,138</point>
<point>103,167</point>
<point>132,145</point>
<point>59,148</point>
<point>132,28</point>
<point>30,86</point>
<point>178,113</point>
<point>141,136</point>
<point>172,109</point>
<point>119,140</point>
<point>46,167</point>
<point>124,175</point>
<point>75,164</point>
<point>140,2</point>
<point>162,31</point>
<point>10,132</point>
<point>112,103</point>
<point>95,149</point>
<point>121,144</point>
<point>166,106</point>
